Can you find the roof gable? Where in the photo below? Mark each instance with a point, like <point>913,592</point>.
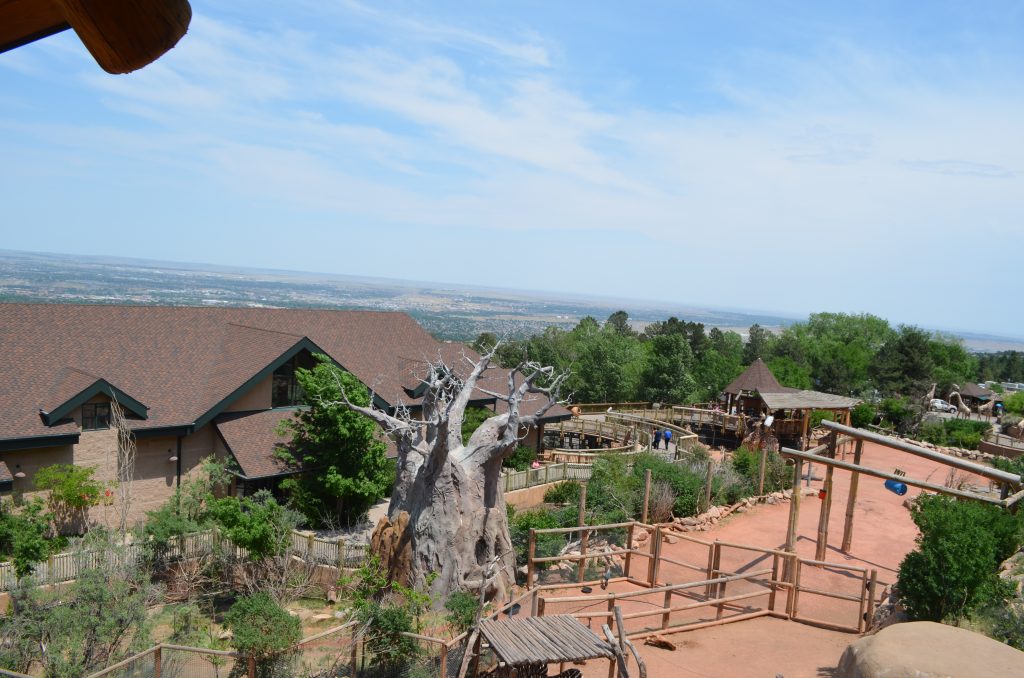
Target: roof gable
<point>758,378</point>
<point>74,387</point>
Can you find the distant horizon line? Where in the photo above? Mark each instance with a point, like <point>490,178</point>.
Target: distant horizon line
<point>537,294</point>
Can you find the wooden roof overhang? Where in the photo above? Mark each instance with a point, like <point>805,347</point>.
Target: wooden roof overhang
<point>543,640</point>
<point>807,400</point>
<point>122,35</point>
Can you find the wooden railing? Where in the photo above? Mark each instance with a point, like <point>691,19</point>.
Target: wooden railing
<point>786,574</point>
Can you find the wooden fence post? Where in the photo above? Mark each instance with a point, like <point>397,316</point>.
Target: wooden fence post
<point>158,669</point>
<point>668,606</point>
<point>252,667</point>
<point>794,517</point>
<point>775,578</point>
<point>531,551</point>
<point>872,586</point>
<point>851,499</point>
<point>629,545</point>
<point>444,661</point>
<point>826,502</point>
<point>652,565</point>
<point>584,534</point>
<point>647,495</point>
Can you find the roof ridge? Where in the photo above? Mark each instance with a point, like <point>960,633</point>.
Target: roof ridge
<point>264,329</point>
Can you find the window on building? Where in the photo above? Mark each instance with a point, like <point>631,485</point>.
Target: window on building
<point>286,389</point>
<point>95,416</point>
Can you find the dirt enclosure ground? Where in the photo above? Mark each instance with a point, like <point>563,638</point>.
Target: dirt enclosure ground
<point>883,534</point>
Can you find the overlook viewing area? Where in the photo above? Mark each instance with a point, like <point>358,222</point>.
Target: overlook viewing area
<point>756,395</point>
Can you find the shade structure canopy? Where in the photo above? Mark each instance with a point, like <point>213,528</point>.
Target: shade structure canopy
<point>807,400</point>
<point>121,35</point>
<point>543,640</point>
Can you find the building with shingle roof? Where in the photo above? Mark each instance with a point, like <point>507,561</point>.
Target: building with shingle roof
<point>193,382</point>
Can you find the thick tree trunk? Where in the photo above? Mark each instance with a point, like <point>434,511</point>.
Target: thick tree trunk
<point>457,528</point>
<point>447,515</point>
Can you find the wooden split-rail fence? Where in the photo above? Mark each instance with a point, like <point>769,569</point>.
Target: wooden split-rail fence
<point>63,567</point>
<point>728,582</point>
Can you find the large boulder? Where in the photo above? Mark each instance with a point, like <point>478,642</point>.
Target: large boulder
<point>927,649</point>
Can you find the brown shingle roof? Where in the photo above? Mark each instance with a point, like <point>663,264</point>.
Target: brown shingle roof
<point>252,439</point>
<point>972,390</point>
<point>182,361</point>
<point>758,378</point>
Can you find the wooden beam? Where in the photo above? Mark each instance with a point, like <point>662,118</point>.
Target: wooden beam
<point>826,502</point>
<point>969,466</point>
<point>125,35</point>
<point>867,470</point>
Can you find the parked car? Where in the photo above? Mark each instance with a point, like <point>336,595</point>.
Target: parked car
<point>940,405</point>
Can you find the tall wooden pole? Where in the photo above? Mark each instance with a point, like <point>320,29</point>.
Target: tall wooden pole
<point>851,500</point>
<point>826,502</point>
<point>794,516</point>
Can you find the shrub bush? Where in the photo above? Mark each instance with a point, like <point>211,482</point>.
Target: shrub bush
<point>954,568</point>
<point>862,415</point>
<point>563,493</point>
<point>462,608</point>
<point>1014,403</point>
<point>262,629</point>
<point>898,413</point>
<point>954,432</point>
<point>521,459</point>
<point>818,416</point>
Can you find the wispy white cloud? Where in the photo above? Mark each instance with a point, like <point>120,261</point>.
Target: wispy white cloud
<point>812,167</point>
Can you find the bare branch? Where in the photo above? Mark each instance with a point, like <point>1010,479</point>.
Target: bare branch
<point>457,408</point>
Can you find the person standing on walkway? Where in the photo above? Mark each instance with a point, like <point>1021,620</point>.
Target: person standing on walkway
<point>668,437</point>
<point>657,438</point>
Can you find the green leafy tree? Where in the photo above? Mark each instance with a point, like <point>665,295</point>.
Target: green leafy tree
<point>789,373</point>
<point>23,535</point>
<point>667,377</point>
<point>347,470</point>
<point>862,415</point>
<point>618,323</point>
<point>1014,403</point>
<point>474,417</point>
<point>485,342</point>
<point>256,523</point>
<point>759,344</point>
<point>904,364</point>
<point>97,620</point>
<point>72,491</point>
<point>955,566</point>
<point>262,629</point>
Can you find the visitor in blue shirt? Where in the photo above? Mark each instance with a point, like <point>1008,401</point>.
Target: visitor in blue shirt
<point>668,438</point>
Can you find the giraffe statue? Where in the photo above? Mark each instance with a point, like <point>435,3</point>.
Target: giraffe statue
<point>961,407</point>
<point>928,398</point>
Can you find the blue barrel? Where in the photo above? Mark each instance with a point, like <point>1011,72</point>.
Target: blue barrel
<point>896,486</point>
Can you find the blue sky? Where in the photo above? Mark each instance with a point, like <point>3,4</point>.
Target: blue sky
<point>785,156</point>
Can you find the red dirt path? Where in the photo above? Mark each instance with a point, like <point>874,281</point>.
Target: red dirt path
<point>883,534</point>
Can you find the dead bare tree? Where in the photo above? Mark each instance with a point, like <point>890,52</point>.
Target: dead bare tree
<point>125,472</point>
<point>447,512</point>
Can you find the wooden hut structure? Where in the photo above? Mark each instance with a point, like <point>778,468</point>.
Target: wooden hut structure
<point>121,35</point>
<point>974,395</point>
<point>757,393</point>
<point>742,391</point>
